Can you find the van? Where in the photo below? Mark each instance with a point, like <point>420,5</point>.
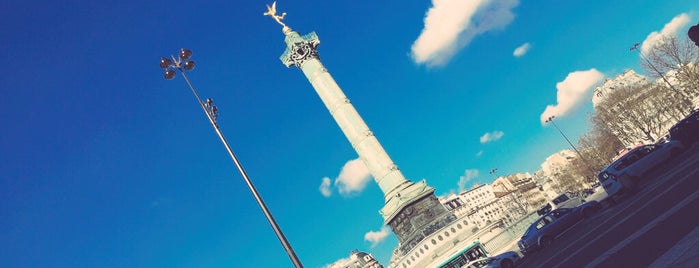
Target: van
<point>566,200</point>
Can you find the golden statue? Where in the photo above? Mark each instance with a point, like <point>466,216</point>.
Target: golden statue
<point>272,12</point>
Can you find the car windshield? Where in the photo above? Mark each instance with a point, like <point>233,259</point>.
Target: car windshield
<point>545,209</point>
<point>603,176</point>
<point>561,198</point>
<point>560,212</point>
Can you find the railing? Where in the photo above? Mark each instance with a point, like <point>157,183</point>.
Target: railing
<point>510,234</point>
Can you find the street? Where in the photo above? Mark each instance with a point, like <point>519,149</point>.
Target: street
<point>636,230</point>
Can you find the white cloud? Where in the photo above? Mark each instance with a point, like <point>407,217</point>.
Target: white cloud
<point>469,174</point>
<point>353,177</point>
<point>479,153</point>
<point>492,136</point>
<point>324,188</point>
<point>376,238</point>
<point>571,92</point>
<point>521,50</point>
<point>671,28</point>
<point>450,25</point>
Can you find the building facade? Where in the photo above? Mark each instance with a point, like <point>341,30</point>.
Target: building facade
<point>357,259</point>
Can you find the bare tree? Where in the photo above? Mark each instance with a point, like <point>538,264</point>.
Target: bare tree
<point>600,145</point>
<point>676,59</point>
<point>631,114</point>
<point>639,112</point>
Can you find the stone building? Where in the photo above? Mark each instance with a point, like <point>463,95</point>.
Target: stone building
<point>357,259</point>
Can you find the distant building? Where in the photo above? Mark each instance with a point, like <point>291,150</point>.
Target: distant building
<point>552,168</point>
<point>629,133</point>
<point>546,184</point>
<point>627,79</point>
<point>527,192</point>
<point>485,204</point>
<point>357,259</point>
<point>478,196</point>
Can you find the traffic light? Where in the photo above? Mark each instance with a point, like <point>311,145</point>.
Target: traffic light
<point>693,34</point>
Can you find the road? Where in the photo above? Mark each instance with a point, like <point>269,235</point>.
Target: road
<point>639,228</point>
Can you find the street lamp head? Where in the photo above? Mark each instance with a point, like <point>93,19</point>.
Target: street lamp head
<point>182,62</point>
<point>189,65</point>
<point>165,62</point>
<point>185,54</point>
<point>169,74</point>
<point>635,46</point>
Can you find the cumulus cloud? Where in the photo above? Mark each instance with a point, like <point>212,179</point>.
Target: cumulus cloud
<point>571,92</point>
<point>521,50</point>
<point>352,179</point>
<point>469,175</point>
<point>670,29</point>
<point>450,25</point>
<point>324,188</point>
<point>376,238</point>
<point>492,136</point>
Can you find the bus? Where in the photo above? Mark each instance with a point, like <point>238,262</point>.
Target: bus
<point>467,255</point>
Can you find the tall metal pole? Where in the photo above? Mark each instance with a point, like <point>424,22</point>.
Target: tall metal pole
<point>211,113</point>
<point>550,120</point>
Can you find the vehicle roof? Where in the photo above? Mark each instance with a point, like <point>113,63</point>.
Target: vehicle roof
<point>621,156</point>
<point>626,151</point>
<point>561,195</point>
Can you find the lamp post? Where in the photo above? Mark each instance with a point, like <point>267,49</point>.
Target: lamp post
<point>183,63</point>
<point>684,98</point>
<point>550,120</point>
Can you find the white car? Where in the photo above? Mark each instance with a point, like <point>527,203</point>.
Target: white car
<point>505,260</point>
<point>624,174</point>
<point>598,194</point>
<point>566,200</point>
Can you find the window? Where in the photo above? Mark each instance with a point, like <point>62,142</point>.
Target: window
<point>560,212</point>
<point>540,224</point>
<point>543,222</point>
<point>647,149</point>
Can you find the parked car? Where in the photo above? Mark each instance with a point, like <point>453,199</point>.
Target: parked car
<point>624,174</point>
<point>546,228</point>
<point>505,260</point>
<point>687,129</point>
<point>598,194</point>
<point>565,200</point>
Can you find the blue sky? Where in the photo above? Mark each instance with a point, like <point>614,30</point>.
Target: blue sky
<point>106,164</point>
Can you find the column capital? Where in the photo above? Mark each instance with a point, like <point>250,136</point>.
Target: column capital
<point>300,49</point>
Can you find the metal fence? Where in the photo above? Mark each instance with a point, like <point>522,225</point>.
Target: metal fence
<point>510,234</point>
